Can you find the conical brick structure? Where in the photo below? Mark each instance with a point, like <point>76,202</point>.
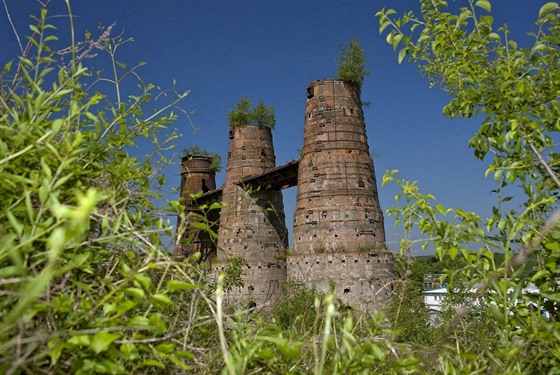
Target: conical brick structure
<point>338,224</point>
<point>252,223</point>
<point>197,176</point>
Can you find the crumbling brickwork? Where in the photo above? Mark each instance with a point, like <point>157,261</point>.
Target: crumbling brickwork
<point>337,208</point>
<point>197,176</point>
<point>252,223</point>
<point>339,235</point>
<point>262,283</point>
<point>361,280</point>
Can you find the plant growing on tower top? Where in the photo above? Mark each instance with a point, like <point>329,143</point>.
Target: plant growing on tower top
<point>350,63</point>
<point>196,151</point>
<point>243,114</point>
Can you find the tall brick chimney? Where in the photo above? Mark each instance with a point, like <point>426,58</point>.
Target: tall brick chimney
<point>196,176</point>
<point>339,233</point>
<point>252,223</point>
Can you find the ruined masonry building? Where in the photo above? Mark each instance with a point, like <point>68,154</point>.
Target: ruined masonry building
<point>339,237</point>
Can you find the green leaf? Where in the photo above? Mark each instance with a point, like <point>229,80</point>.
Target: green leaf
<point>102,340</point>
<point>145,281</point>
<point>56,241</point>
<point>158,326</point>
<point>79,340</point>
<point>106,366</point>
<point>484,4</point>
<point>407,362</point>
<point>497,314</point>
<point>554,246</point>
<point>539,275</point>
<point>402,54</point>
<point>161,299</point>
<point>16,225</point>
<point>56,345</point>
<point>289,350</point>
<point>201,226</point>
<point>383,26</point>
<point>140,322</point>
<point>547,8</point>
<point>136,292</point>
<point>152,363</point>
<point>396,40</point>
<point>177,362</point>
<point>378,353</point>
<point>453,252</point>
<point>105,225</point>
<point>129,351</point>
<point>166,348</point>
<point>190,355</point>
<point>174,285</point>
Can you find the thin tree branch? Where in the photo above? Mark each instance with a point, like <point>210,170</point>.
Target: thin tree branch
<point>12,25</point>
<point>544,164</point>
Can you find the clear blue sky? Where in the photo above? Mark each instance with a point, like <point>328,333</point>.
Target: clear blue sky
<point>271,50</point>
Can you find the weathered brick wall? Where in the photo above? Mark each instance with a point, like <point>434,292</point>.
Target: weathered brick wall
<point>339,235</point>
<point>196,176</point>
<point>261,284</point>
<point>337,208</point>
<point>252,223</point>
<point>362,280</point>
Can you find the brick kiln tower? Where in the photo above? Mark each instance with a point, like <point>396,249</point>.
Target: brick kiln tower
<point>197,176</point>
<point>252,223</point>
<point>338,224</point>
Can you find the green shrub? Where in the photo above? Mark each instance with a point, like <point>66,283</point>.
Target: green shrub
<point>351,63</point>
<point>512,91</point>
<point>85,284</point>
<point>260,115</point>
<point>296,307</point>
<point>196,151</point>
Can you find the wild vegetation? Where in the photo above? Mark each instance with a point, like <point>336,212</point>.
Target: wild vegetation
<point>243,114</point>
<point>351,63</point>
<point>513,91</point>
<point>215,158</point>
<point>87,287</point>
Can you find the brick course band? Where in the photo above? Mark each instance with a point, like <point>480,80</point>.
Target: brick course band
<point>363,280</point>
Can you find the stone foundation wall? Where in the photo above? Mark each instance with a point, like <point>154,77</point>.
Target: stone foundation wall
<point>262,283</point>
<point>363,280</point>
